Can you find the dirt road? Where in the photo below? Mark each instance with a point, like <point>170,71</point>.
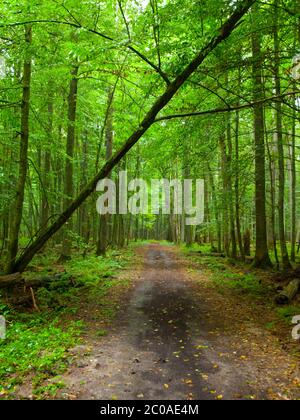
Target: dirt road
<point>169,343</point>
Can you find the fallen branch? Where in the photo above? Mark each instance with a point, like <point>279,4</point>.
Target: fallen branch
<point>11,280</point>
<point>34,301</point>
<point>225,110</point>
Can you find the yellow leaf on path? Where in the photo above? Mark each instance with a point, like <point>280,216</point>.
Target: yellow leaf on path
<point>188,381</point>
<point>166,386</point>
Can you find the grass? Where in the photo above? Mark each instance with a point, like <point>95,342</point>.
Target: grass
<point>288,312</point>
<point>239,278</point>
<point>226,274</point>
<point>36,345</point>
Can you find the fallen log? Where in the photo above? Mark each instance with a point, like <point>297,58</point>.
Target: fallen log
<point>288,293</point>
<point>45,281</point>
<point>16,280</point>
<point>11,280</point>
<point>208,254</point>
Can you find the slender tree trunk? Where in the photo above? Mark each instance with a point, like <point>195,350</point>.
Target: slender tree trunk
<point>230,192</point>
<point>216,210</point>
<point>187,231</point>
<point>45,208</point>
<point>23,162</point>
<point>237,188</point>
<point>84,219</point>
<point>281,192</point>
<point>273,201</point>
<point>293,167</point>
<point>105,218</point>
<point>225,195</point>
<point>69,168</point>
<point>262,259</point>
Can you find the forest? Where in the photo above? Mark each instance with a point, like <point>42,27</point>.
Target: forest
<point>160,90</point>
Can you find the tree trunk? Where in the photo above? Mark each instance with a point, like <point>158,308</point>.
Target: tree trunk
<point>273,200</point>
<point>293,167</point>
<point>262,259</point>
<point>237,188</point>
<point>104,232</point>
<point>225,198</point>
<point>23,161</point>
<point>216,210</point>
<point>281,196</point>
<point>230,192</point>
<point>45,210</point>
<point>69,168</point>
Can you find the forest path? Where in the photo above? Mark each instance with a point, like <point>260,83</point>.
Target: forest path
<point>169,342</point>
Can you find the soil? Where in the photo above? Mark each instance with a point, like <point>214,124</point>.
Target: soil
<point>177,337</point>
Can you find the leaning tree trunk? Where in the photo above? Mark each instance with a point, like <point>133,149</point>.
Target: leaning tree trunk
<point>23,161</point>
<point>223,33</point>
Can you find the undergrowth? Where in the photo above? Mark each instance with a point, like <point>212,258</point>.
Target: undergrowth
<point>36,344</point>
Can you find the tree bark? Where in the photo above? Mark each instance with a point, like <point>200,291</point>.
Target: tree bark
<point>237,187</point>
<point>45,210</point>
<point>69,168</point>
<point>278,106</point>
<point>230,191</point>
<point>273,200</point>
<point>262,259</point>
<point>23,161</point>
<point>103,233</point>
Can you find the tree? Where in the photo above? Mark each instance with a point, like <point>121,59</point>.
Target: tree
<point>262,259</point>
<point>23,160</point>
<point>69,166</point>
<point>281,165</point>
<point>223,33</point>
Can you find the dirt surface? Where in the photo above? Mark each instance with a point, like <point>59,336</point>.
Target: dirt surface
<point>174,339</point>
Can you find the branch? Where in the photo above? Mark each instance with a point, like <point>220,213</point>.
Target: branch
<point>95,32</point>
<point>125,20</point>
<point>224,110</point>
<point>9,104</point>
